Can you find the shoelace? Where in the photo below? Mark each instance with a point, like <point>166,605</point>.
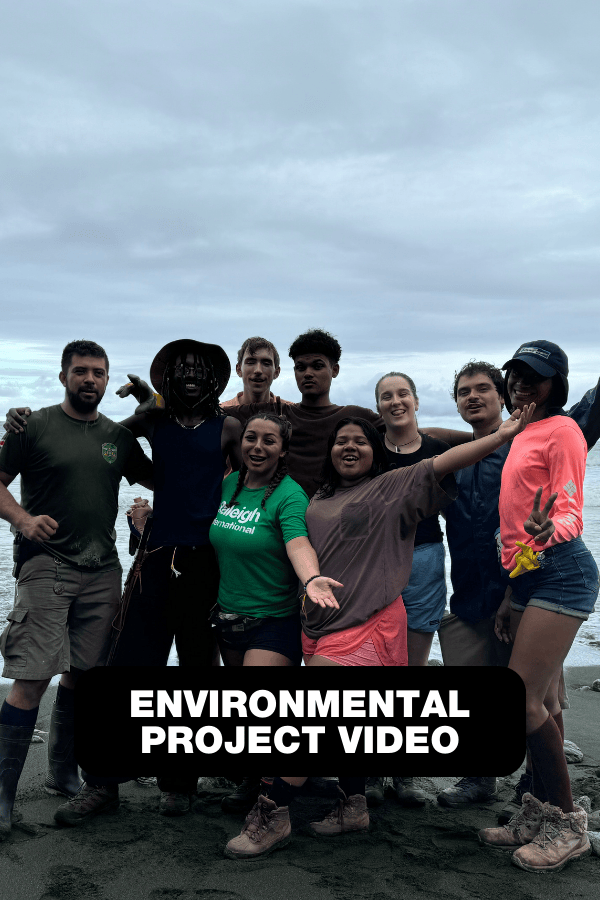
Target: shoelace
<point>258,824</point>
<point>549,831</point>
<point>337,813</point>
<point>517,822</point>
<point>85,798</point>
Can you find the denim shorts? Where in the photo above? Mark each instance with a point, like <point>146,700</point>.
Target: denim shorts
<point>425,594</point>
<point>277,634</point>
<point>566,582</point>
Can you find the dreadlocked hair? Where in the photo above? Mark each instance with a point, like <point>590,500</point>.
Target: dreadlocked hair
<point>209,407</point>
<point>285,431</point>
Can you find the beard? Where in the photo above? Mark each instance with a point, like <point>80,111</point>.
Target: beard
<point>81,405</point>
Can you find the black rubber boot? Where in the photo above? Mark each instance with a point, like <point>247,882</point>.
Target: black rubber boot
<point>14,744</point>
<point>244,797</point>
<point>374,790</point>
<point>63,776</point>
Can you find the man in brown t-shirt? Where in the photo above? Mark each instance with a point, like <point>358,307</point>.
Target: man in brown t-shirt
<point>316,356</point>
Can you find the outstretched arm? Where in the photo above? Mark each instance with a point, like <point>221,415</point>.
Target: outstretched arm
<point>148,400</point>
<point>449,435</point>
<point>468,454</point>
<point>586,412</point>
<point>302,556</point>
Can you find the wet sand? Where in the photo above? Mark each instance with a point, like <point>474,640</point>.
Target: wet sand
<point>135,854</point>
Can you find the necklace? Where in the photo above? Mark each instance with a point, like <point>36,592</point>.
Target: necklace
<point>396,447</point>
<point>188,427</point>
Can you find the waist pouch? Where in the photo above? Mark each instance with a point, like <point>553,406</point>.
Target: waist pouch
<point>231,623</point>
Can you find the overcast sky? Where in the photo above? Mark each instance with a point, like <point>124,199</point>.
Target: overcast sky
<point>419,177</point>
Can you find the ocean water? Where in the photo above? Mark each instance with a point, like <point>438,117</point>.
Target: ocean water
<point>584,652</point>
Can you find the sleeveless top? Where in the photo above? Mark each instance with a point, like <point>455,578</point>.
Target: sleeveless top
<point>188,476</point>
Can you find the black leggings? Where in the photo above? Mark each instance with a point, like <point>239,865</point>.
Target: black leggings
<point>351,786</point>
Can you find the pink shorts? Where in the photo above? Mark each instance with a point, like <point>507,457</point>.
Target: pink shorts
<point>366,655</point>
<point>380,641</point>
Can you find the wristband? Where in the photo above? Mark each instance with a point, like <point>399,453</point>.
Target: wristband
<point>308,581</point>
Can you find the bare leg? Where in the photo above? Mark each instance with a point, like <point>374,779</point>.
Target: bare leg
<point>232,657</point>
<point>542,641</point>
<point>266,658</point>
<point>321,661</point>
<point>541,644</point>
<point>551,701</point>
<point>418,645</point>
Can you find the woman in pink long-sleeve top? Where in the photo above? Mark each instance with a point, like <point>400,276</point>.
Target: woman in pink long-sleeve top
<point>554,582</point>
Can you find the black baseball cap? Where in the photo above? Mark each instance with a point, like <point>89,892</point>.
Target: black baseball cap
<point>546,359</point>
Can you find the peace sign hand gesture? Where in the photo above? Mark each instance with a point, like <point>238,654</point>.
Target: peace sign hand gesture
<point>538,525</point>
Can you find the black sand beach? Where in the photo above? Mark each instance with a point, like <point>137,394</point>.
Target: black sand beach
<point>135,854</point>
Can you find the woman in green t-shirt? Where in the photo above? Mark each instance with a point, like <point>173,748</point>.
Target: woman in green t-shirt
<point>261,541</point>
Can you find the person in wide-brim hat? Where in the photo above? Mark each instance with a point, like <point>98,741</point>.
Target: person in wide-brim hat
<point>210,353</point>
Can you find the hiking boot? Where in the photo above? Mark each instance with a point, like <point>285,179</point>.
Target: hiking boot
<point>14,744</point>
<point>173,803</point>
<point>89,802</point>
<point>523,786</point>
<point>374,791</point>
<point>562,837</point>
<point>469,790</point>
<point>244,797</point>
<point>267,828</point>
<point>406,792</point>
<point>62,778</point>
<point>350,814</point>
<point>521,829</point>
<point>146,781</point>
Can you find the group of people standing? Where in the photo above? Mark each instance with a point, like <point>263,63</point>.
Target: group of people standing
<point>342,500</point>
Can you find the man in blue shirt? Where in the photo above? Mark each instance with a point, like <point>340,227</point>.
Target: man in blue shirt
<point>467,634</point>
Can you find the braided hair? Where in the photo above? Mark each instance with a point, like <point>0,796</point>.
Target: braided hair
<point>285,431</point>
<point>209,406</point>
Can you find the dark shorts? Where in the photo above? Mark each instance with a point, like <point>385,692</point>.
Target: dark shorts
<point>279,635</point>
<point>566,582</point>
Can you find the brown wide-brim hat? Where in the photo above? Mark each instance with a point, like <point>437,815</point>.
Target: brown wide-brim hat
<point>214,353</point>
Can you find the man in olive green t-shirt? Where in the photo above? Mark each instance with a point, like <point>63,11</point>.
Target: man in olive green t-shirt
<point>71,460</point>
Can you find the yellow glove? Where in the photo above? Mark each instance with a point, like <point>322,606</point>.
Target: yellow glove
<point>526,560</point>
<point>148,401</point>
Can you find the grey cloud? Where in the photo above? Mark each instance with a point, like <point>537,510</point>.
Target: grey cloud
<point>411,176</point>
